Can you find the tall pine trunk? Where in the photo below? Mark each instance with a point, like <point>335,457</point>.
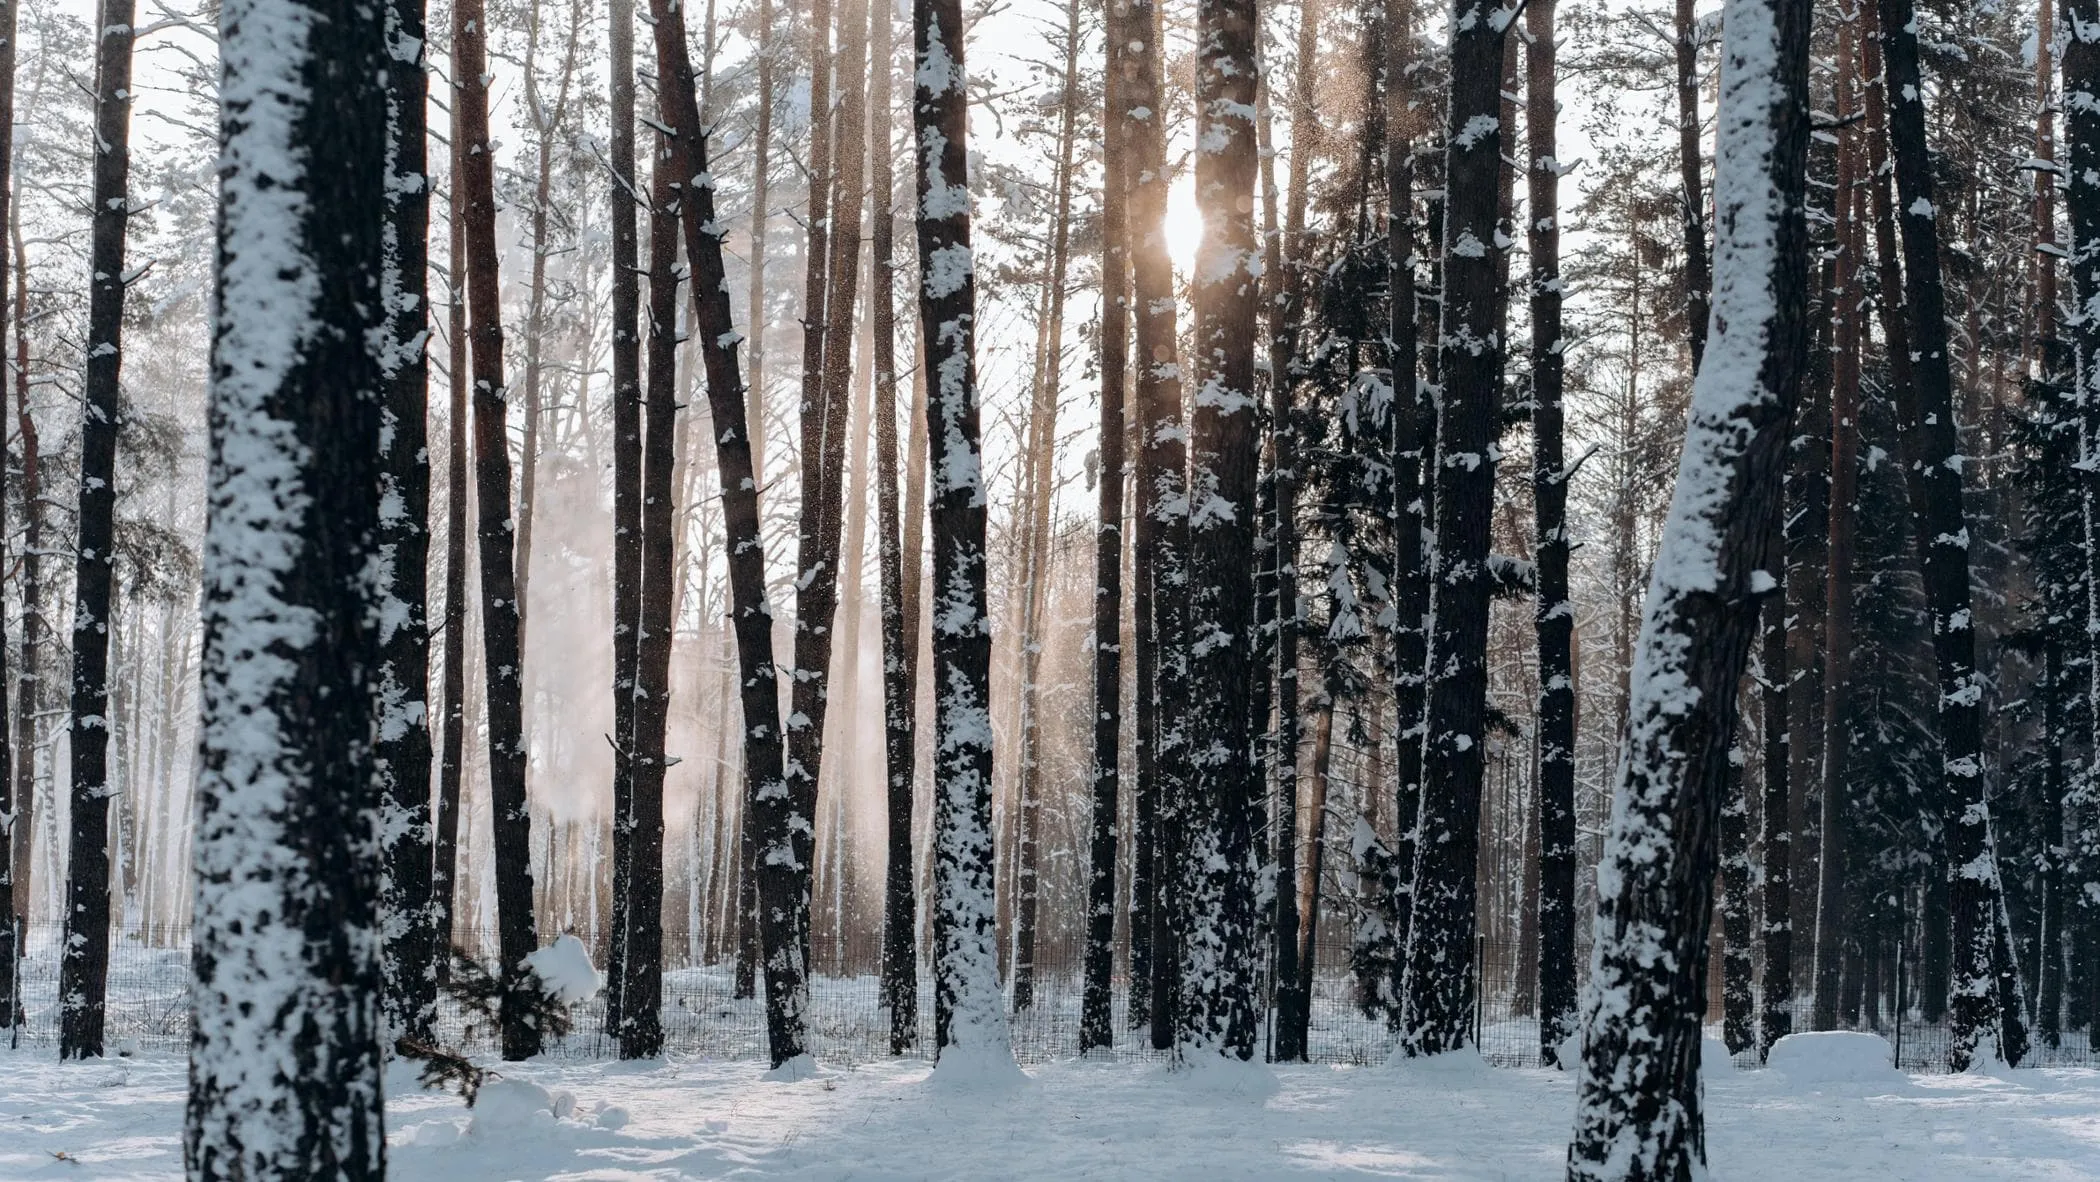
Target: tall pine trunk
<point>502,646</point>
<point>1698,276</point>
<point>2081,179</point>
<point>412,945</point>
<point>10,813</point>
<point>900,634</point>
<point>781,880</point>
<point>285,1053</point>
<point>1439,983</point>
<point>452,743</point>
<point>1935,463</point>
<point>1096,1023</point>
<point>84,965</point>
<point>1638,1115</point>
<point>29,692</point>
<point>1216,853</point>
<point>627,485</point>
<point>970,1029</point>
<point>1776,986</point>
<point>1555,616</point>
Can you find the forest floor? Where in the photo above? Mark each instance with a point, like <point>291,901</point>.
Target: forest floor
<point>684,1119</point>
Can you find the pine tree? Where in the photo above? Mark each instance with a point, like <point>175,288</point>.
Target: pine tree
<point>285,1055</point>
<point>452,742</point>
<point>11,809</point>
<point>502,645</point>
<point>412,943</point>
<point>1439,988</point>
<point>1638,1114</point>
<point>781,878</point>
<point>969,1017</point>
<point>1933,459</point>
<point>1555,616</point>
<point>84,965</point>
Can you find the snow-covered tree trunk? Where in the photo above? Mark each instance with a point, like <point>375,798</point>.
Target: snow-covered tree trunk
<point>969,1015</point>
<point>1438,994</point>
<point>782,876</point>
<point>1096,1024</point>
<point>1738,1002</point>
<point>2081,179</point>
<point>1638,1113</point>
<point>502,645</point>
<point>626,483</point>
<point>900,634</point>
<point>1554,618</point>
<point>84,966</point>
<point>1160,599</point>
<point>412,944</point>
<point>1776,986</point>
<point>1698,279</point>
<point>1219,956</point>
<point>11,809</point>
<point>29,691</point>
<point>286,1044</point>
<point>1933,457</point>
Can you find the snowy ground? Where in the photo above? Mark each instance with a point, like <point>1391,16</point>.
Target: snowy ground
<point>699,1119</point>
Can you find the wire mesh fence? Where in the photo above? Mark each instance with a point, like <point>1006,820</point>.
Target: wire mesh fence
<point>147,1009</point>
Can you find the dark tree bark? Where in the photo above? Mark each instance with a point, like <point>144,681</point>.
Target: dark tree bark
<point>641,936</point>
<point>1555,615</point>
<point>11,814</point>
<point>1096,1024</point>
<point>900,634</point>
<point>1638,1115</point>
<point>1738,1001</point>
<point>412,946</point>
<point>285,1053</point>
<point>502,647</point>
<point>755,316</point>
<point>1284,269</point>
<point>1833,925</point>
<point>1217,854</point>
<point>1926,418</point>
<point>969,1017</point>
<point>781,880</point>
<point>452,744</point>
<point>627,487</point>
<point>1777,1020</point>
<point>84,964</point>
<point>29,688</point>
<point>2081,180</point>
<point>1162,536</point>
<point>2042,357</point>
<point>1439,990</point>
<point>1698,274</point>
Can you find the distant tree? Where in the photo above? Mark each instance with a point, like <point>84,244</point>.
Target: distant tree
<point>84,965</point>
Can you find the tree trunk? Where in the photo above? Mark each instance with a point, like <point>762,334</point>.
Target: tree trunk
<point>1162,535</point>
<point>969,1017</point>
<point>29,688</point>
<point>1439,990</point>
<point>627,483</point>
<point>641,936</point>
<point>285,1056</point>
<point>2081,180</point>
<point>761,181</point>
<point>11,812</point>
<point>1698,277</point>
<point>781,879</point>
<point>1555,617</point>
<point>1096,1024</point>
<point>1638,1115</point>
<point>502,647</point>
<point>1934,462</point>
<point>1778,981</point>
<point>1832,919</point>
<point>411,948</point>
<point>1738,1003</point>
<point>900,634</point>
<point>452,745</point>
<point>84,966</point>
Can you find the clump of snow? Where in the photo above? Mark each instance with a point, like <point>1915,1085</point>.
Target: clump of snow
<point>562,1103</point>
<point>565,970</point>
<point>432,1134</point>
<point>1452,1068</point>
<point>1222,1076</point>
<point>795,1070</point>
<point>1834,1057</point>
<point>1570,1050</point>
<point>508,1105</point>
<point>612,1117</point>
<point>978,1067</point>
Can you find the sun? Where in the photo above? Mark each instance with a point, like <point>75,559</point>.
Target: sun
<point>1184,223</point>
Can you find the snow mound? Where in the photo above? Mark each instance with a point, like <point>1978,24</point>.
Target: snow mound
<point>1834,1057</point>
<point>1454,1067</point>
<point>612,1117</point>
<point>508,1105</point>
<point>795,1070</point>
<point>1224,1076</point>
<point>1716,1061</point>
<point>433,1134</point>
<point>977,1068</point>
<point>1570,1051</point>
<point>565,970</point>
